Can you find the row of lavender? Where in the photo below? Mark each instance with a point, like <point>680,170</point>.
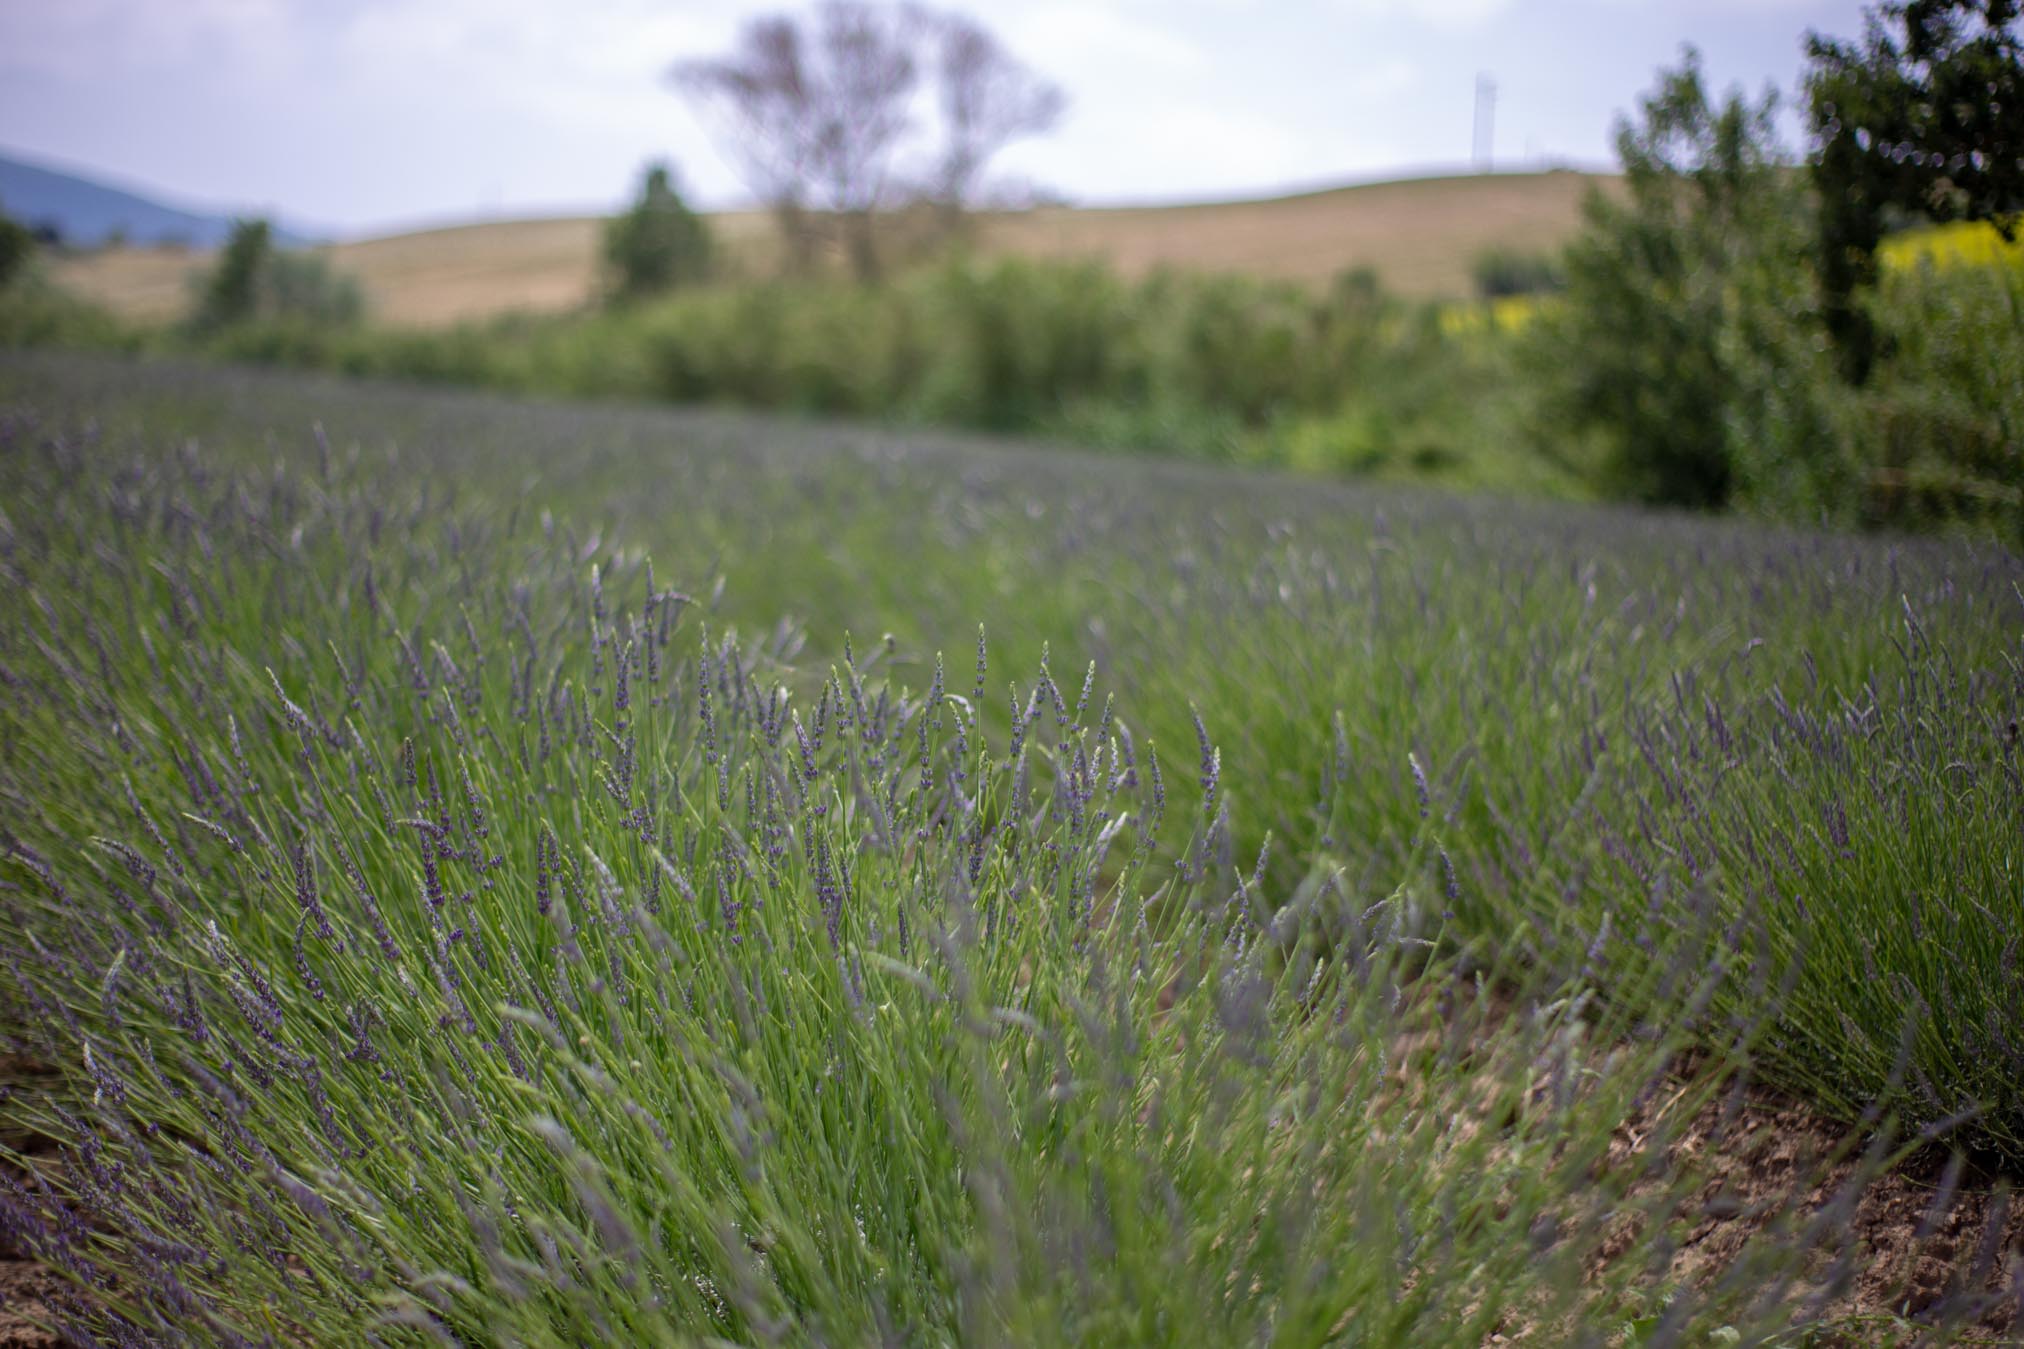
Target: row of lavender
<point>443,928</point>
<point>436,956</point>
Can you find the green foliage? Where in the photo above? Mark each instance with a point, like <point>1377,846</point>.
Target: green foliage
<point>1694,346</point>
<point>306,287</point>
<point>17,247</point>
<point>1503,271</point>
<point>1010,346</point>
<point>1865,868</point>
<point>1348,382</point>
<point>1677,296</point>
<point>1688,363</point>
<point>36,313</point>
<point>230,293</point>
<point>253,280</point>
<point>1939,429</point>
<point>658,244</point>
<point>1925,117</point>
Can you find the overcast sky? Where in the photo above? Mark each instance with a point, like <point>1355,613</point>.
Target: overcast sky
<point>358,115</point>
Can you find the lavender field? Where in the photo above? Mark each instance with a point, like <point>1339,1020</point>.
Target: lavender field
<point>481,872</point>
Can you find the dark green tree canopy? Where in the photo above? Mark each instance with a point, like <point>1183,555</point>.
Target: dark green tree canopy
<point>659,243</point>
<point>1922,118</point>
<point>1645,351</point>
<point>255,280</point>
<point>232,292</point>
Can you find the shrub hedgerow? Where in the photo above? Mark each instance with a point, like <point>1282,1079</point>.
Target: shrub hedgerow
<point>1207,367</point>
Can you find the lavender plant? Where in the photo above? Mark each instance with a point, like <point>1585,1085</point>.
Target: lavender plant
<point>446,924</point>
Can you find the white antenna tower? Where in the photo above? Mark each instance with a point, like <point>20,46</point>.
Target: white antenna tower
<point>1486,121</point>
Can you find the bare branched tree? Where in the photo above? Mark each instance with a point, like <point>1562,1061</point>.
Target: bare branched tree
<point>817,115</point>
<point>761,92</point>
<point>989,99</point>
<point>818,111</point>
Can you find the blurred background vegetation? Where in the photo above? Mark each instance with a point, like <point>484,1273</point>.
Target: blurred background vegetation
<point>1832,337</point>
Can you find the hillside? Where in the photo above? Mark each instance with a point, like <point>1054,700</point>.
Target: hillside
<point>1420,236</point>
<point>87,213</point>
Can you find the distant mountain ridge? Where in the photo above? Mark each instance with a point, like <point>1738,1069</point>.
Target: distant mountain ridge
<point>88,214</point>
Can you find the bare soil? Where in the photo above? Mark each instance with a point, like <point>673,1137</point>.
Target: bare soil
<point>1935,1238</point>
<point>25,1290</point>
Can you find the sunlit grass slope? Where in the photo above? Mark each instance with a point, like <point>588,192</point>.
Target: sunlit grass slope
<point>1421,236</point>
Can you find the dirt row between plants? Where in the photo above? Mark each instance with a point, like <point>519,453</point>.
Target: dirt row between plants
<point>27,1288</point>
<point>1935,1239</point>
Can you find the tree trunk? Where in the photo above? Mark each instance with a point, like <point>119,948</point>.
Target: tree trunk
<point>862,241</point>
<point>797,238</point>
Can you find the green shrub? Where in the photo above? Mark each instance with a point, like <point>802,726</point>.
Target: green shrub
<point>1940,426</point>
<point>1646,351</point>
<point>1235,344</point>
<point>229,293</point>
<point>1016,343</point>
<point>1504,271</point>
<point>36,313</point>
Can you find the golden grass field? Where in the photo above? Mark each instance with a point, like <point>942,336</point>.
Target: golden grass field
<point>1420,235</point>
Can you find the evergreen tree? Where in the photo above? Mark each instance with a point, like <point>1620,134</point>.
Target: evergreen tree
<point>232,292</point>
<point>658,244</point>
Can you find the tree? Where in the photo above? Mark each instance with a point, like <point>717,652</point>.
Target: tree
<point>988,100</point>
<point>816,116</point>
<point>1675,293</point>
<point>253,279</point>
<point>231,292</point>
<point>1925,117</point>
<point>17,246</point>
<point>818,112</point>
<point>658,244</point>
